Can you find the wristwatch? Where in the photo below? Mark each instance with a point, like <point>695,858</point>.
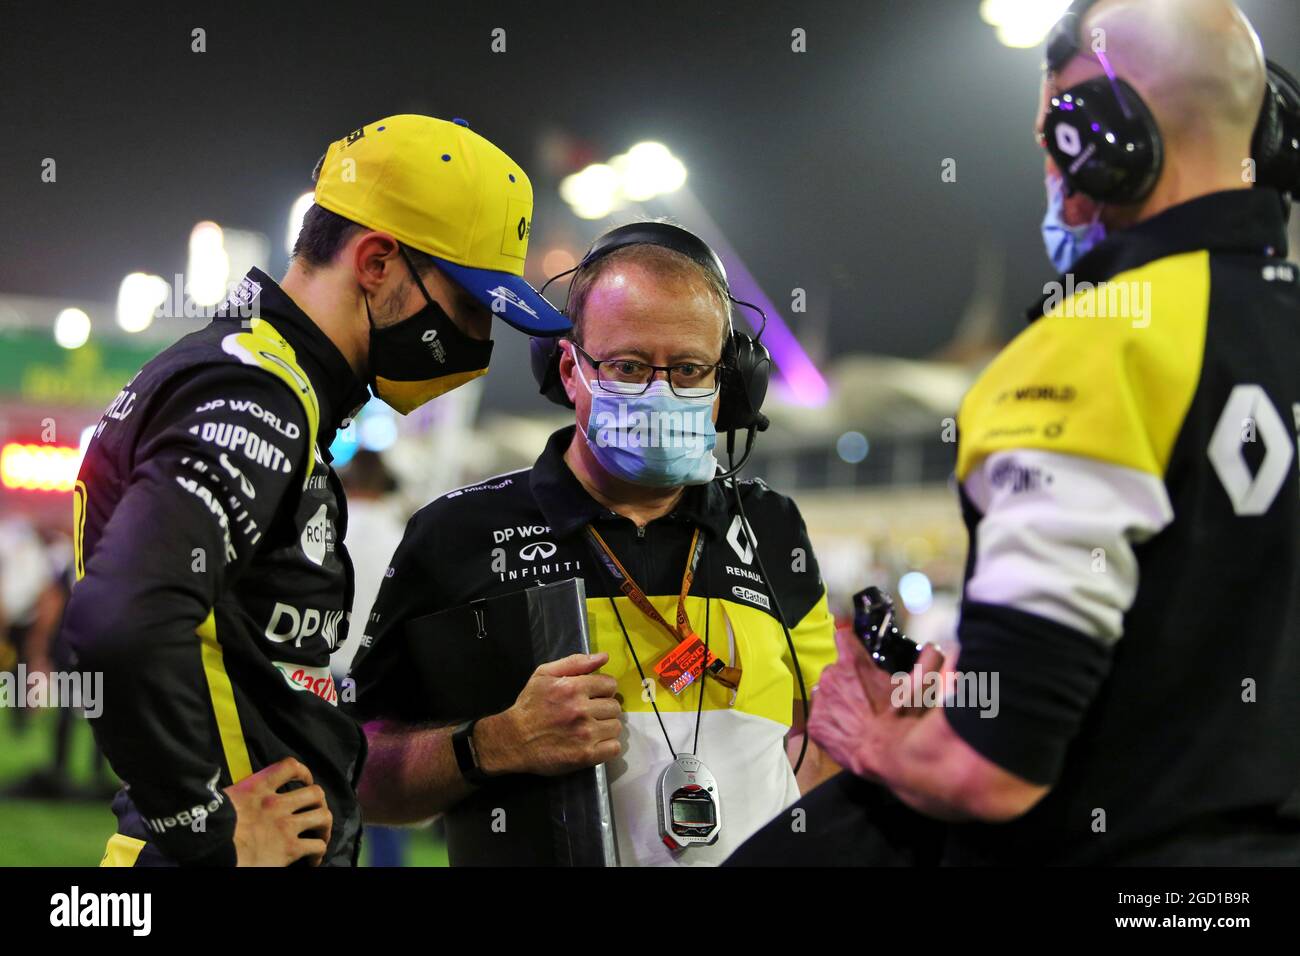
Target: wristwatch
<point>462,744</point>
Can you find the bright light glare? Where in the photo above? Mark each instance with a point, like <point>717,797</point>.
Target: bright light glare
<point>72,328</point>
<point>377,431</point>
<point>852,447</point>
<point>593,193</point>
<point>138,297</point>
<point>1022,24</point>
<point>296,216</point>
<point>645,171</point>
<point>915,590</point>
<point>39,467</point>
<point>208,273</point>
<point>648,170</point>
<point>83,444</point>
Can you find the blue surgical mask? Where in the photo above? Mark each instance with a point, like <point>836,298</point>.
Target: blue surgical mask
<point>1067,244</point>
<point>657,438</point>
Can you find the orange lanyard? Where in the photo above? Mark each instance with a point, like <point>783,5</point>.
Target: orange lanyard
<point>634,593</point>
<point>728,676</point>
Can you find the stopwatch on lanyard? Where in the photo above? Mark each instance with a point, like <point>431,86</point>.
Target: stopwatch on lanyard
<point>689,806</point>
<point>689,809</point>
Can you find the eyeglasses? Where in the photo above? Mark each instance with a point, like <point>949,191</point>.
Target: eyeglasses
<point>622,375</point>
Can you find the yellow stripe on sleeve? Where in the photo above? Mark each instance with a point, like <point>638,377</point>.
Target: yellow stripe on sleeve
<point>79,528</point>
<point>223,702</point>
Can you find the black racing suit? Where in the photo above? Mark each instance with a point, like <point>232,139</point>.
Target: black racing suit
<point>212,580</point>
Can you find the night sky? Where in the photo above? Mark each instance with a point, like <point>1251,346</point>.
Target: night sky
<point>823,168</point>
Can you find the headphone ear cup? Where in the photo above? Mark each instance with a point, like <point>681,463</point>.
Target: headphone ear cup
<point>1275,146</point>
<point>1266,142</point>
<point>1105,141</point>
<point>729,405</point>
<point>746,373</point>
<point>544,358</point>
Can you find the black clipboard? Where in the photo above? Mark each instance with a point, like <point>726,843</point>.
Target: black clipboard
<point>473,660</point>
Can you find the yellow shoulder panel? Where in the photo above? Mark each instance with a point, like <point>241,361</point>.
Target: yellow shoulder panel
<point>1108,373</point>
<point>261,345</point>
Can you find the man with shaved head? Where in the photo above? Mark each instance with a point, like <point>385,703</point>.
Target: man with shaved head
<point>1129,481</point>
<point>1198,67</point>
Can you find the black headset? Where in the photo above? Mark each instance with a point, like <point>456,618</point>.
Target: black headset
<point>746,363</point>
<point>1106,142</point>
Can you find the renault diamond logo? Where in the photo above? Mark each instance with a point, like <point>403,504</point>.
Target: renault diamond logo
<point>741,538</point>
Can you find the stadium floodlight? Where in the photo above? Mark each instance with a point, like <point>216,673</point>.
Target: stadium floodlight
<point>138,298</point>
<point>647,170</point>
<point>208,272</point>
<point>296,215</point>
<point>72,328</point>
<point>592,193</point>
<point>1022,24</point>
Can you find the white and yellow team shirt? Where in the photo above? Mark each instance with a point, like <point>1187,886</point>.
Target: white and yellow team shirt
<point>528,527</point>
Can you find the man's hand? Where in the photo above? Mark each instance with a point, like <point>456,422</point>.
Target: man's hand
<point>276,829</point>
<point>565,719</point>
<point>854,717</point>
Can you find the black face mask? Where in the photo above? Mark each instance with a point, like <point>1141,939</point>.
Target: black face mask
<point>422,357</point>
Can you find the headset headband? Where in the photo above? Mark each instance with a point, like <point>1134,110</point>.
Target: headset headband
<point>1063,44</point>
<point>658,234</point>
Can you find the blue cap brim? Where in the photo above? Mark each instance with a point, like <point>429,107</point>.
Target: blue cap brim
<point>510,298</point>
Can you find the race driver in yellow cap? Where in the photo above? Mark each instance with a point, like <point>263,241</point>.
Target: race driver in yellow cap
<point>212,580</point>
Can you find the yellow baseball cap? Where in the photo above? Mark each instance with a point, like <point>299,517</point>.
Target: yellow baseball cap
<point>439,187</point>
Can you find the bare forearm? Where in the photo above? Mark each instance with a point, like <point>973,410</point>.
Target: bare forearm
<point>411,773</point>
<point>935,772</point>
<point>925,771</point>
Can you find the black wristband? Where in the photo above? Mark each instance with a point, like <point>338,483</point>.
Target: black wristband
<point>462,744</point>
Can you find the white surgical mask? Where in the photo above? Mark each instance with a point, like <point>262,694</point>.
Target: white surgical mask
<point>655,438</point>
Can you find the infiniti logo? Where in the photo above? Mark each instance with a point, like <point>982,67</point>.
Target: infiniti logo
<point>538,549</point>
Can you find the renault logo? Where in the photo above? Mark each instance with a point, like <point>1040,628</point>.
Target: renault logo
<point>742,540</point>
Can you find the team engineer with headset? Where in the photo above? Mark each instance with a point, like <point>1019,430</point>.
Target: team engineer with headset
<point>671,556</point>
